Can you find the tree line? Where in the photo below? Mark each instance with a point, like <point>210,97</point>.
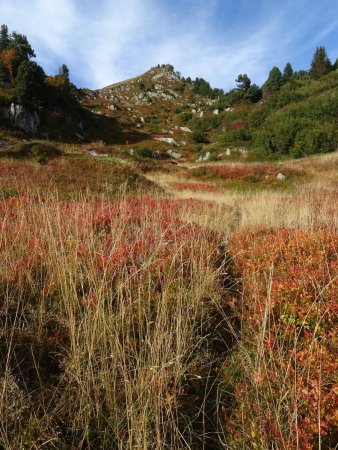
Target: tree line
<point>26,77</point>
<point>248,92</point>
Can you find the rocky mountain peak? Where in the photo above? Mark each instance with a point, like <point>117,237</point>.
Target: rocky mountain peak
<point>165,71</point>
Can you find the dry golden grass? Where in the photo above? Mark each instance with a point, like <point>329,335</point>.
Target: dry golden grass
<point>117,317</point>
<point>103,311</point>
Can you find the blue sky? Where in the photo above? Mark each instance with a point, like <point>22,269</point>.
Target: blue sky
<point>105,41</point>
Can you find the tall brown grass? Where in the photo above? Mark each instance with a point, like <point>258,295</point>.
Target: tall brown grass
<point>102,318</point>
<point>160,323</point>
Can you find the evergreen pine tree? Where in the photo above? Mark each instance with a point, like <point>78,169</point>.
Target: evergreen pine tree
<point>287,72</point>
<point>64,72</point>
<point>275,80</point>
<point>30,80</point>
<point>254,94</point>
<point>4,42</point>
<point>321,64</point>
<point>243,82</point>
<point>22,46</point>
<point>4,37</point>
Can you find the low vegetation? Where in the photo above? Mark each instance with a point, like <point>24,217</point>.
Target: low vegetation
<point>148,302</point>
<point>155,322</point>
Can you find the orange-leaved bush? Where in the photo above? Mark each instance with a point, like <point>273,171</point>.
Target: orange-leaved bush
<point>284,373</point>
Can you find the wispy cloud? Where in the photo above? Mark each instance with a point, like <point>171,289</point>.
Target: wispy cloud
<point>117,39</point>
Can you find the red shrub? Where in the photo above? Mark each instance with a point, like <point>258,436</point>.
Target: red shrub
<point>238,125</point>
<point>289,312</point>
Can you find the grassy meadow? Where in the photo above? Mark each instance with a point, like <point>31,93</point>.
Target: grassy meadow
<point>190,306</point>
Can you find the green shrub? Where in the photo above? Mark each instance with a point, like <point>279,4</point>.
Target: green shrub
<point>185,117</point>
<point>143,152</point>
<point>198,136</point>
<point>41,152</point>
<point>8,192</point>
<point>180,88</point>
<point>38,153</point>
<point>323,138</point>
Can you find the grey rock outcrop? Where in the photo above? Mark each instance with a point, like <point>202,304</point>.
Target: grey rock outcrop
<point>23,118</point>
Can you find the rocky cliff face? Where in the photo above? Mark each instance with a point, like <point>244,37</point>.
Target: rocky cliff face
<point>21,117</point>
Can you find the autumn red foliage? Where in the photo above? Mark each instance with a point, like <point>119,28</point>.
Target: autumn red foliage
<point>148,229</point>
<point>289,313</point>
<point>238,125</point>
<point>9,58</point>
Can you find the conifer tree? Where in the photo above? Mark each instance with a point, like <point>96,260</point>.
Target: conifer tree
<point>274,81</point>
<point>321,64</point>
<point>287,72</point>
<point>30,80</point>
<point>64,72</point>
<point>243,82</point>
<point>4,42</point>
<point>335,65</point>
<point>22,46</point>
<point>4,38</point>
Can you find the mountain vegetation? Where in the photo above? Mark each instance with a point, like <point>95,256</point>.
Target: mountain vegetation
<point>168,259</point>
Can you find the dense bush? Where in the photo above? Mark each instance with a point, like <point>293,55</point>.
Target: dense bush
<point>185,116</point>
<point>198,136</point>
<point>286,130</point>
<point>323,138</point>
<point>143,152</point>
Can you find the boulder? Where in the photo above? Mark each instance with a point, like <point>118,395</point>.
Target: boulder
<point>173,154</point>
<point>280,177</point>
<point>228,152</point>
<point>216,112</point>
<point>185,129</point>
